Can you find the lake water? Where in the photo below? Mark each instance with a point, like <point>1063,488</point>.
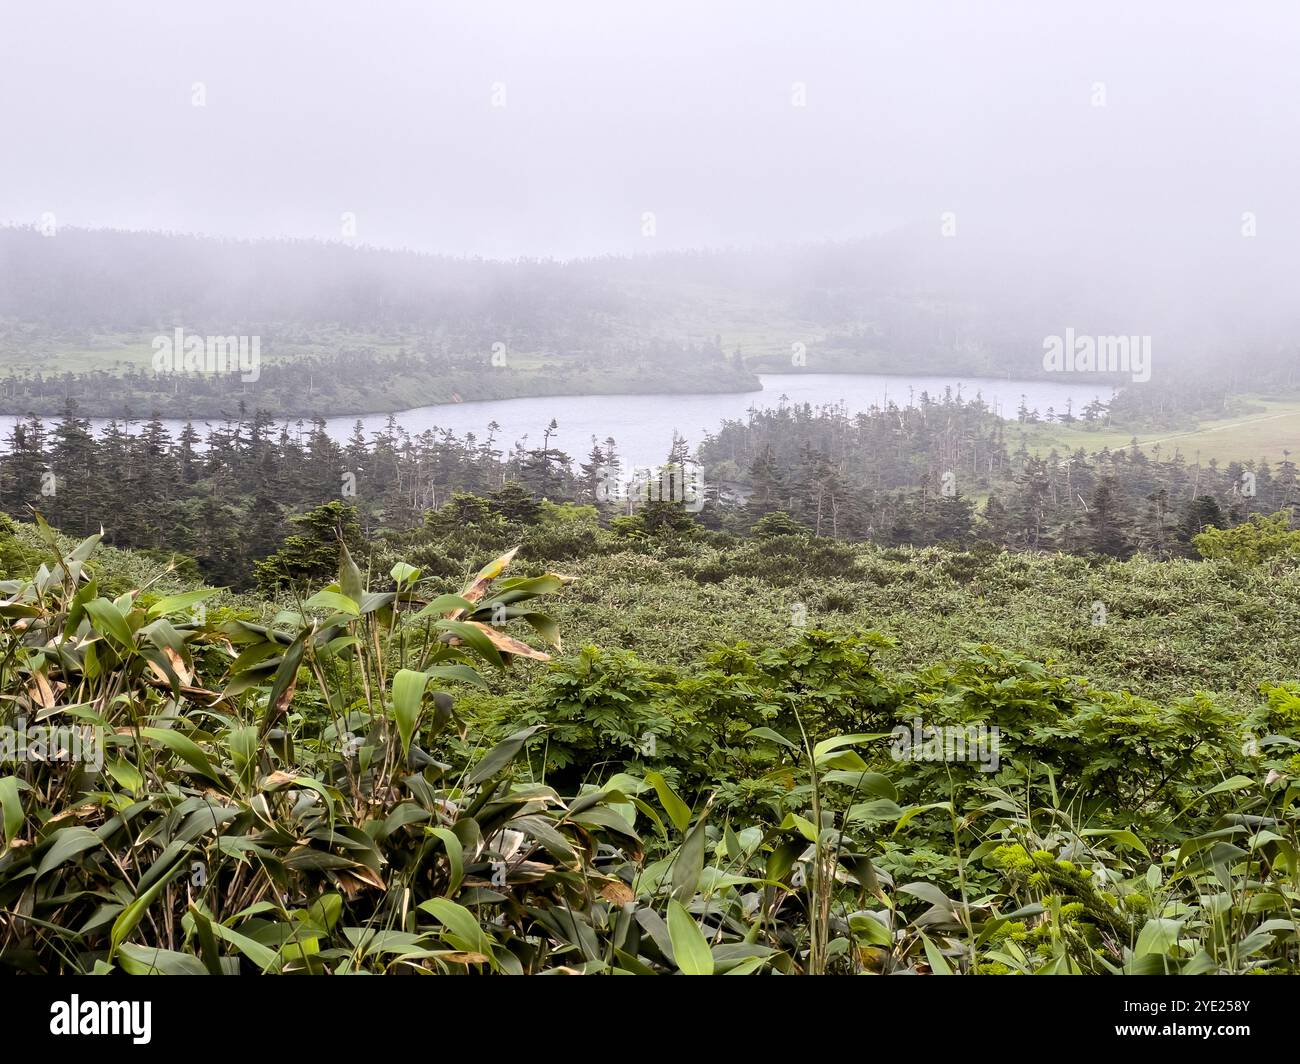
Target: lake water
<point>643,425</point>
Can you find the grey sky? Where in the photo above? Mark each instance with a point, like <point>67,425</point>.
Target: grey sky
<point>385,108</point>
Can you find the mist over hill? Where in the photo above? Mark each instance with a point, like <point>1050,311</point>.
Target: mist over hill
<point>914,300</point>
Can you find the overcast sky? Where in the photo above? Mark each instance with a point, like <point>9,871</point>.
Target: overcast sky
<point>391,110</point>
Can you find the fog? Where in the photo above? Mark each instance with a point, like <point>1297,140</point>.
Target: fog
<point>604,111</point>
<point>1143,156</point>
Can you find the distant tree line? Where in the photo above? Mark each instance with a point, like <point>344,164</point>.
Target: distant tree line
<point>352,378</point>
<point>935,472</point>
<point>940,471</point>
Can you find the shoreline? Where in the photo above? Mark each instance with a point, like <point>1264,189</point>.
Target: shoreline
<point>227,409</point>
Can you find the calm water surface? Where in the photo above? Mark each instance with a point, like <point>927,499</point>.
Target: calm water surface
<point>643,425</point>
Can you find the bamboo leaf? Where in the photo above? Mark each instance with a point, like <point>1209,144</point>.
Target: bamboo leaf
<point>458,672</point>
<point>690,948</point>
<point>177,603</point>
<point>461,928</point>
<point>350,579</point>
<point>455,856</point>
<point>678,811</point>
<point>11,808</point>
<point>501,755</point>
<point>133,913</point>
<point>110,620</point>
<point>408,699</point>
<point>186,749</point>
<point>68,842</point>
<point>333,600</point>
<point>938,962</point>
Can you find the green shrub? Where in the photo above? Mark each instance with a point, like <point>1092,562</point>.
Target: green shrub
<point>1258,540</point>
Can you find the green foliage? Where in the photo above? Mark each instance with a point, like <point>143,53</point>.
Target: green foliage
<point>514,504</point>
<point>563,531</point>
<point>604,711</point>
<point>304,795</point>
<point>276,822</point>
<point>1260,539</point>
<point>15,560</point>
<point>311,555</point>
<point>777,523</point>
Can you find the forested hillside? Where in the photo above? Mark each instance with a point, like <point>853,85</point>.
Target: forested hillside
<point>351,329</point>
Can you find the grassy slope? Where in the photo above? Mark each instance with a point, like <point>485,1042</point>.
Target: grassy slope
<point>1263,435</point>
<point>118,352</point>
<point>1172,628</point>
<point>529,373</point>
